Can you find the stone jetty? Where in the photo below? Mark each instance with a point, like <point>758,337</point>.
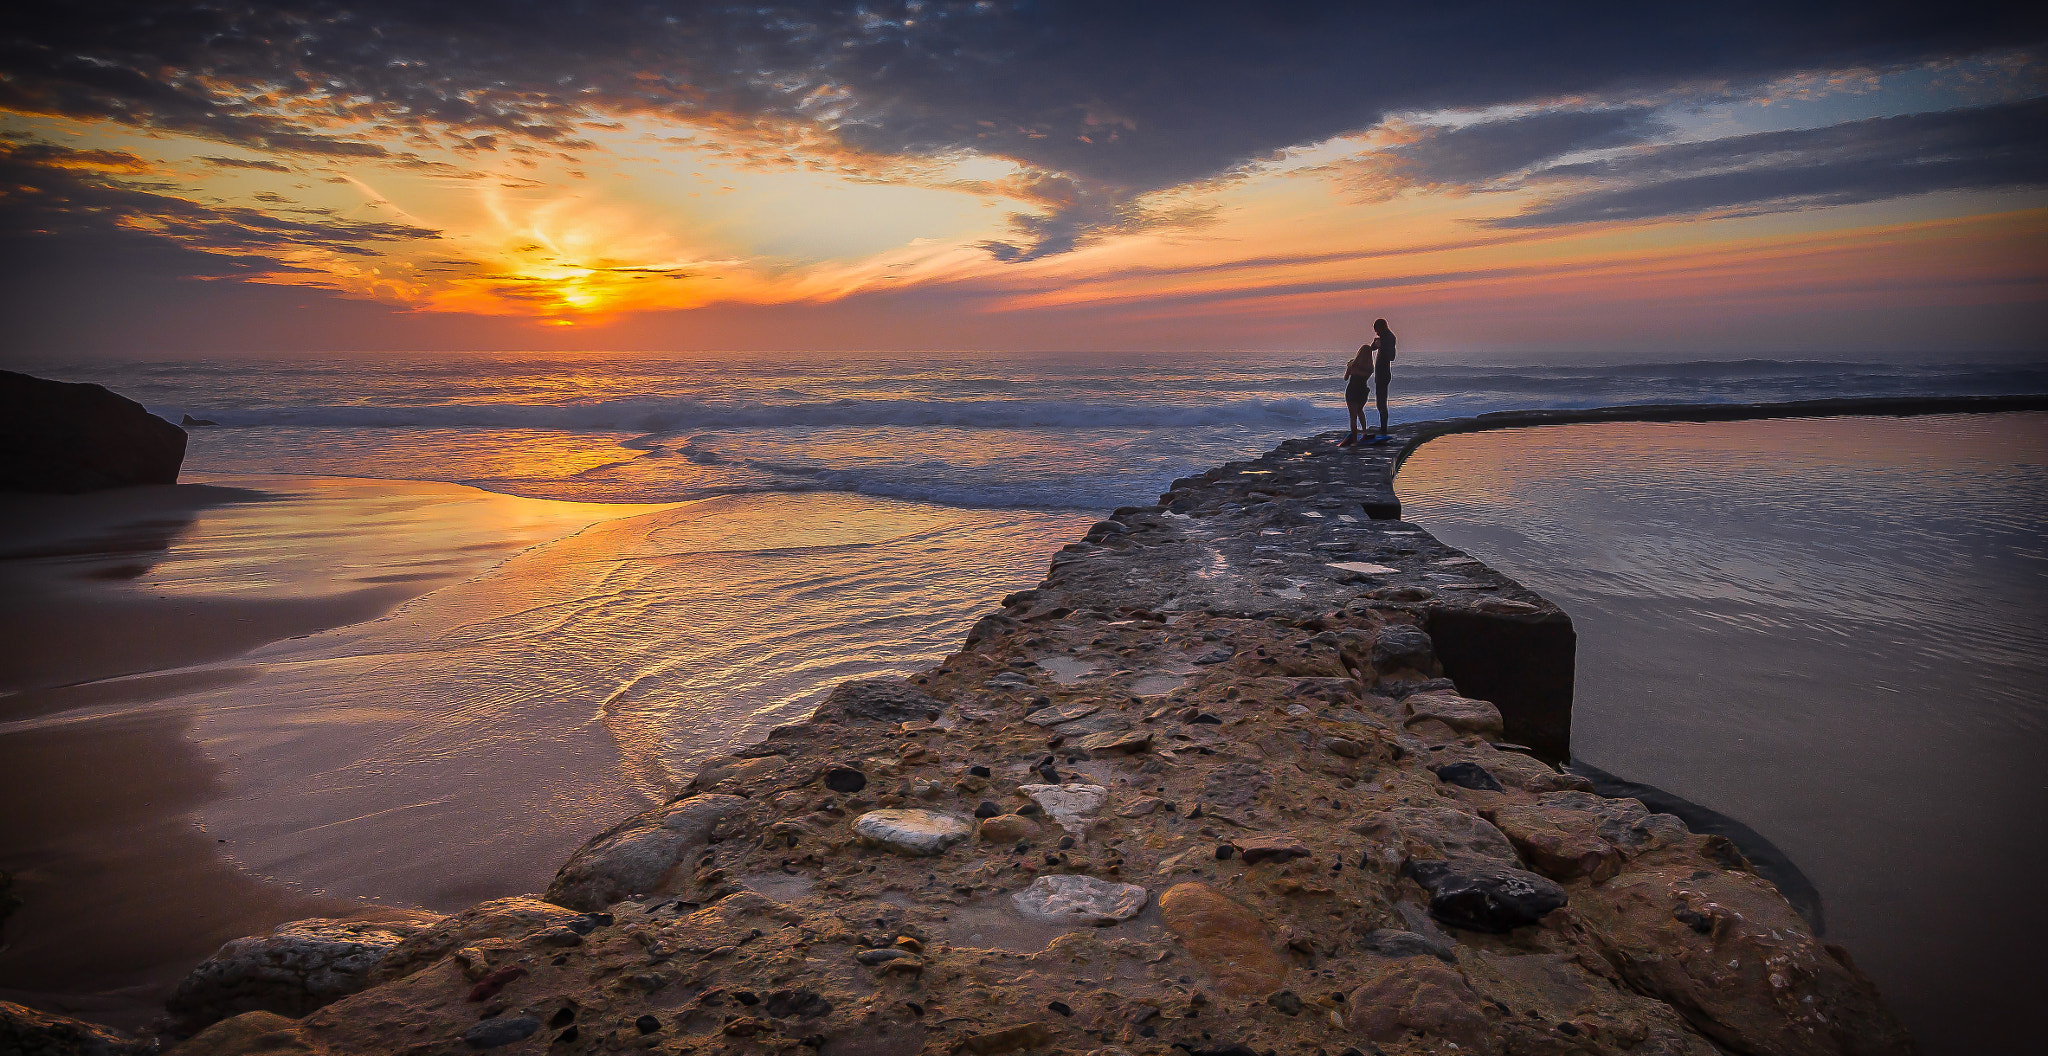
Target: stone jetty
<point>1258,769</point>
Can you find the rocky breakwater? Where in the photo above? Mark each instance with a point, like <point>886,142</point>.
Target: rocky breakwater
<point>1216,787</point>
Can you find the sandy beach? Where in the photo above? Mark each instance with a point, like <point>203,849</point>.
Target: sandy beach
<point>121,610</point>
<point>344,697</point>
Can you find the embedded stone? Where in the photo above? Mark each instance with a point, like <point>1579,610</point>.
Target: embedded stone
<point>1462,714</point>
<point>1402,645</point>
<point>1435,832</point>
<point>1117,742</point>
<point>641,855</point>
<point>1228,939</point>
<point>1259,849</point>
<point>880,700</point>
<point>1559,844</point>
<point>1073,806</point>
<point>1419,997</point>
<point>1490,898</point>
<point>1071,899</point>
<point>1467,775</point>
<point>1063,713</point>
<point>917,833</point>
<point>1624,823</point>
<point>1006,828</point>
<point>500,1031</point>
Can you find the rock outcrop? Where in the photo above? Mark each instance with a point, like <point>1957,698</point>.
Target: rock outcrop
<point>60,436</point>
<point>295,969</point>
<point>1220,785</point>
<point>25,1031</point>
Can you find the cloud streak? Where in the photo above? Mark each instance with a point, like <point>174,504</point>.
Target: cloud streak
<point>1983,148</point>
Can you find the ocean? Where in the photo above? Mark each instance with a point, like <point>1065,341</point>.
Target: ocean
<point>975,430</point>
<point>452,614</point>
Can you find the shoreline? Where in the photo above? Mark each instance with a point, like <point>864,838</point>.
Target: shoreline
<point>124,614</point>
<point>1135,700</point>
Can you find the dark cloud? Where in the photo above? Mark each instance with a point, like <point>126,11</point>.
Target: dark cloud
<point>49,192</point>
<point>241,163</point>
<point>1477,153</point>
<point>1983,148</point>
<point>1122,98</point>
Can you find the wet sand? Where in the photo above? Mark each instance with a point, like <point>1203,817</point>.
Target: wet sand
<point>112,607</point>
<point>347,697</point>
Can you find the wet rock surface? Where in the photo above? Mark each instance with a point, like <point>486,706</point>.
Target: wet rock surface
<point>1189,795</point>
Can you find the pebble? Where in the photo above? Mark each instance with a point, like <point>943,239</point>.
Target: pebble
<point>1073,899</point>
<point>1343,746</point>
<point>917,833</point>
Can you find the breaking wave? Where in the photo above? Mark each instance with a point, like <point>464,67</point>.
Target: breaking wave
<point>660,415</point>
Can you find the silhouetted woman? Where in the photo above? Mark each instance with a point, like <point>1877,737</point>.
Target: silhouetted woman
<point>1357,388</point>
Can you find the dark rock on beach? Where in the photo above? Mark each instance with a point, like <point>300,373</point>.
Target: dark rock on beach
<point>65,437</point>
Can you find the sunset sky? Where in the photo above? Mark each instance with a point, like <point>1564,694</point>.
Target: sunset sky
<point>1524,178</point>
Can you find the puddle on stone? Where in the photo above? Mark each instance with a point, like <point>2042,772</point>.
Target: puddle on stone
<point>1162,682</point>
<point>1066,670</point>
<point>782,887</point>
<point>993,923</point>
<point>1291,593</point>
